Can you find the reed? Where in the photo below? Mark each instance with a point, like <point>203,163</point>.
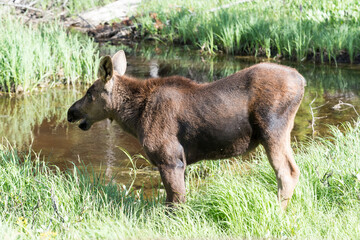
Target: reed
<point>325,30</point>
<point>43,56</point>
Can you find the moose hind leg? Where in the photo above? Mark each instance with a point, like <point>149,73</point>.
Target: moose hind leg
<point>287,172</point>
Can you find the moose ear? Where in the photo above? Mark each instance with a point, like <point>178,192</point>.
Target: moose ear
<point>119,61</point>
<point>106,69</point>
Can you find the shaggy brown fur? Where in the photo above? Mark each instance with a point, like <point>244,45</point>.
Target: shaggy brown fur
<point>179,122</point>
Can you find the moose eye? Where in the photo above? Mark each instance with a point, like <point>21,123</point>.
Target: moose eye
<point>88,95</point>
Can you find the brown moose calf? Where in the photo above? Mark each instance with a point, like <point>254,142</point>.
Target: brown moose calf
<point>179,122</point>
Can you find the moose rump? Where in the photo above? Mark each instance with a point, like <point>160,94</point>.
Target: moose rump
<point>179,122</point>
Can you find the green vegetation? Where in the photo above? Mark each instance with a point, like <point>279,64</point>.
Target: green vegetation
<point>43,56</point>
<point>225,199</point>
<point>322,30</point>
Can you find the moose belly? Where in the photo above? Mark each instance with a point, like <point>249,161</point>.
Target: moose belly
<point>221,140</point>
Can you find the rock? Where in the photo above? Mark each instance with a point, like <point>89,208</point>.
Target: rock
<point>115,10</point>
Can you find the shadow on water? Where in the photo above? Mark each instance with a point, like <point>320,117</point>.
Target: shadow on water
<point>40,118</point>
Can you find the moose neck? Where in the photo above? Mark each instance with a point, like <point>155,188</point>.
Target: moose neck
<point>128,102</point>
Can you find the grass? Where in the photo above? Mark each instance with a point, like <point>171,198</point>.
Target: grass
<point>225,199</point>
<point>326,31</point>
<point>43,56</point>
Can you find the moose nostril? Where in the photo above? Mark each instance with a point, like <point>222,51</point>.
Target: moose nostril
<point>69,116</point>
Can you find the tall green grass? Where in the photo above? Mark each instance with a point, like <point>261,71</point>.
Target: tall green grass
<point>44,55</point>
<point>226,199</point>
<point>320,30</point>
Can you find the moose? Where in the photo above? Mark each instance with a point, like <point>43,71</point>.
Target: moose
<point>179,122</point>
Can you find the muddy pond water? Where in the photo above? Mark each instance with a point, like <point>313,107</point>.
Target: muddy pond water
<point>39,119</point>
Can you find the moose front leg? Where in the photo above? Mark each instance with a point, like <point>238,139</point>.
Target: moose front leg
<point>170,159</point>
<point>173,178</point>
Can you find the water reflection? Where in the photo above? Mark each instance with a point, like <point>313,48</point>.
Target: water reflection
<point>41,118</point>
<point>21,115</point>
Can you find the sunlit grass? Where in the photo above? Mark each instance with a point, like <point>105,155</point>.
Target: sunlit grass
<point>226,199</point>
<point>43,55</point>
<point>320,30</point>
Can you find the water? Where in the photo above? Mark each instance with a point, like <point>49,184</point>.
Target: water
<point>39,119</point>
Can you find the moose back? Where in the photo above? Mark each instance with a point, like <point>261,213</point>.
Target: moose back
<point>179,122</point>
